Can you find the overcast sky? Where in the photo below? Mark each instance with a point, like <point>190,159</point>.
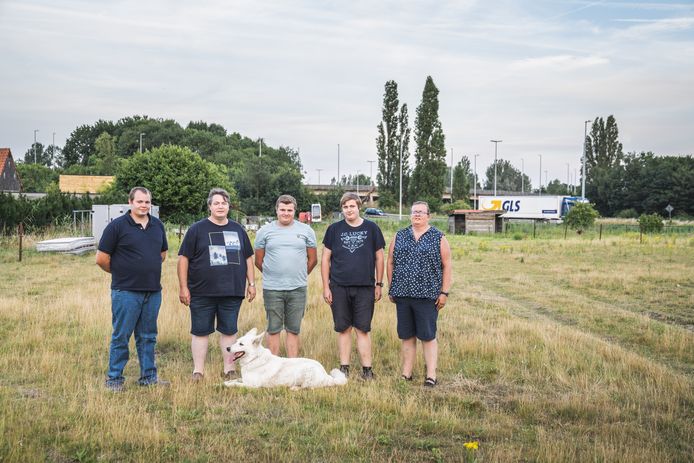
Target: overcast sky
<point>311,74</point>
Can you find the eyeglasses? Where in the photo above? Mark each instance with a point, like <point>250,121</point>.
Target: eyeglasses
<point>419,213</point>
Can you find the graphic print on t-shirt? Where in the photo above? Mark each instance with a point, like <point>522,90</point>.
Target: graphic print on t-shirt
<point>225,248</point>
<point>353,240</point>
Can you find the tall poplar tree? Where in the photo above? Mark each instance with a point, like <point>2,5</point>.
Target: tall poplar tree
<point>393,138</point>
<point>427,182</point>
<point>604,166</point>
<point>463,179</point>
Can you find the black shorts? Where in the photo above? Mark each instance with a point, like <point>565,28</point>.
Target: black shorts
<point>204,310</point>
<point>416,317</point>
<point>352,306</point>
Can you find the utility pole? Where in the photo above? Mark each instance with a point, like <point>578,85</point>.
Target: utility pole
<point>319,175</point>
<point>141,135</point>
<point>496,143</point>
<point>260,147</point>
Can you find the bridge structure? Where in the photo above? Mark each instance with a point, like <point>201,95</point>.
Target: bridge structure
<point>369,193</point>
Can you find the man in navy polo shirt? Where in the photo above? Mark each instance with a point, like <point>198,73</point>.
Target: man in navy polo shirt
<point>132,249</point>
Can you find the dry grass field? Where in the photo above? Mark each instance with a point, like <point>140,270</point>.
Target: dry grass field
<point>550,350</point>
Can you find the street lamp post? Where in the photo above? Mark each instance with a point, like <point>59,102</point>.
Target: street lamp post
<point>319,175</point>
<point>260,147</point>
<point>522,177</point>
<point>477,200</point>
<point>400,201</point>
<point>358,182</point>
<point>141,135</point>
<point>371,172</point>
<point>539,190</point>
<point>583,167</point>
<point>496,143</point>
<point>36,130</point>
<point>451,174</point>
<point>546,180</point>
<point>338,163</point>
<point>568,179</point>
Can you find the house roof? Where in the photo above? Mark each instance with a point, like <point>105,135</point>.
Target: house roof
<point>5,153</point>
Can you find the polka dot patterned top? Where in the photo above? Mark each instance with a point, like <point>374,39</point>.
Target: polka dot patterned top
<point>417,268</point>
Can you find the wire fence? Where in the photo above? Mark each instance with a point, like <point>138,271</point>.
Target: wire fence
<point>597,231</point>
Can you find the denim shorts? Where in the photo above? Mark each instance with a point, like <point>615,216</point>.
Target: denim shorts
<point>416,317</point>
<point>204,310</point>
<point>284,309</point>
<point>352,306</point>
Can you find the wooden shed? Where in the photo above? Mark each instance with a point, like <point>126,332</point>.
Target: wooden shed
<point>83,183</point>
<point>463,221</point>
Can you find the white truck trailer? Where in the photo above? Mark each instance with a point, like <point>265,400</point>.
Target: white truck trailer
<point>547,208</point>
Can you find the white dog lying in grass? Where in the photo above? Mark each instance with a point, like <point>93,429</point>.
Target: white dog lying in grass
<point>260,368</point>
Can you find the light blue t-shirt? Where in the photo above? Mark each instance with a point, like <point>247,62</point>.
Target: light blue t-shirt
<point>284,264</point>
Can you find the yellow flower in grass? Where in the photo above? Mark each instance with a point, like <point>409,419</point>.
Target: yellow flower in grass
<point>474,445</point>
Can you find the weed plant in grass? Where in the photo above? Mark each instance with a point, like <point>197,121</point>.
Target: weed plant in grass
<point>550,350</point>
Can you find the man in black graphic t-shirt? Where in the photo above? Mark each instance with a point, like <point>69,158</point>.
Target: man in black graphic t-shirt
<point>353,252</point>
<point>214,263</point>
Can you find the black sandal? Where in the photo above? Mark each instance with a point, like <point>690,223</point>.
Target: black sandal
<point>430,382</point>
<point>406,378</point>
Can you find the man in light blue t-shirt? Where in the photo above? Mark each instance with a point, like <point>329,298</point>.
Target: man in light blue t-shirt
<point>285,252</point>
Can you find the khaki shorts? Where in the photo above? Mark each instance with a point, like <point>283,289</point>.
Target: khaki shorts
<point>284,309</point>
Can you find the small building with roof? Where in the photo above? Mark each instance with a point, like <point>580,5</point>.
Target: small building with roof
<point>464,221</point>
<point>9,177</point>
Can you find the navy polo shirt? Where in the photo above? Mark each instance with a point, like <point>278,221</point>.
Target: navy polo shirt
<point>135,253</point>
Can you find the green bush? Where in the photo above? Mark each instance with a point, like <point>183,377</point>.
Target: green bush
<point>651,223</point>
<point>581,216</point>
<point>178,178</point>
<point>627,214</point>
<point>53,209</point>
<point>456,205</point>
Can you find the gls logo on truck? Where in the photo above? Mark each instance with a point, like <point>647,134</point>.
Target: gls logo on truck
<point>497,205</point>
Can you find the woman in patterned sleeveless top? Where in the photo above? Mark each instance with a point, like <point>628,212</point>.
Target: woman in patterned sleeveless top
<point>419,271</point>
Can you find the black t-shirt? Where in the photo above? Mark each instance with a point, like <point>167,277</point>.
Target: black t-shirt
<point>353,258</point>
<point>216,258</point>
<point>135,253</point>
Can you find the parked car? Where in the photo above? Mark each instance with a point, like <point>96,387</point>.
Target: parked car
<point>373,211</point>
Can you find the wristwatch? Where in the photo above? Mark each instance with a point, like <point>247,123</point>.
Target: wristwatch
<point>444,293</point>
<point>252,285</point>
<point>380,283</point>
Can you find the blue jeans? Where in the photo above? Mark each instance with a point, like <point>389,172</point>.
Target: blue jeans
<point>133,311</point>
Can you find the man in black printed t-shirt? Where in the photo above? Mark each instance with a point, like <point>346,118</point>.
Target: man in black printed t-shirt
<point>352,273</point>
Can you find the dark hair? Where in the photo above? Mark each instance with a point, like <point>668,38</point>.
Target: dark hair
<point>131,195</point>
<point>217,191</point>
